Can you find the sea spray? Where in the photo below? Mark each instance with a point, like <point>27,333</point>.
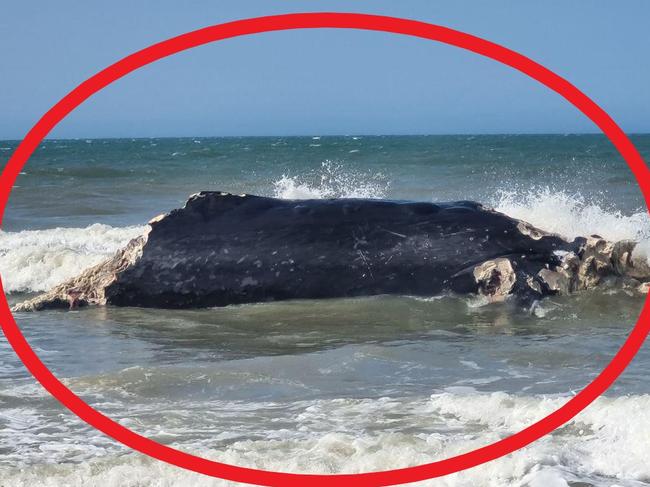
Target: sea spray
<point>37,260</point>
<point>572,215</point>
<point>331,180</point>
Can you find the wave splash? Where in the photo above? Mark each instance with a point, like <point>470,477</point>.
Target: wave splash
<point>38,260</point>
<point>331,180</point>
<point>572,215</point>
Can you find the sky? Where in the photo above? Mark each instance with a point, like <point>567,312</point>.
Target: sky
<point>325,81</point>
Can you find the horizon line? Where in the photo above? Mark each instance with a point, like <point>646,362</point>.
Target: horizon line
<point>457,134</point>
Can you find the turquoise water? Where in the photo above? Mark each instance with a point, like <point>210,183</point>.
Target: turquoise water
<point>127,181</point>
<point>320,386</point>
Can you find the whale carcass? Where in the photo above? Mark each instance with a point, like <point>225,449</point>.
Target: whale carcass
<point>222,249</point>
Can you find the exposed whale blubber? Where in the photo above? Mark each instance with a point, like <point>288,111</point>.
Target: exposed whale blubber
<point>222,249</point>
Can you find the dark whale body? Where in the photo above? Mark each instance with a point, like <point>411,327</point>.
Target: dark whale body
<point>225,249</point>
<point>222,249</point>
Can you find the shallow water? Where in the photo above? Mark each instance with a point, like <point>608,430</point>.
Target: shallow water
<point>333,386</point>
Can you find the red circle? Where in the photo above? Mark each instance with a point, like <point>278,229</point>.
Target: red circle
<point>312,21</point>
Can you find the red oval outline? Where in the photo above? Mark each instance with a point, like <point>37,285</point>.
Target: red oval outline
<point>312,21</point>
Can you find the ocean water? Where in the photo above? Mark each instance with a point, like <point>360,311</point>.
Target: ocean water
<point>345,385</point>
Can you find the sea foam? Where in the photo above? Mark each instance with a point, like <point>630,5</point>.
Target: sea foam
<point>331,180</point>
<point>605,445</point>
<point>37,260</point>
<point>572,215</point>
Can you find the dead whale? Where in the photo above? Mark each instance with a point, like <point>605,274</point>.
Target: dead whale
<point>222,249</point>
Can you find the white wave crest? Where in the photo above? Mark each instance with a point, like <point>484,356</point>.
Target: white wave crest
<point>332,180</point>
<point>37,260</point>
<point>605,445</point>
<point>572,215</point>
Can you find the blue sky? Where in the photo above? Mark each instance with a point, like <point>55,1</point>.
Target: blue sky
<point>322,81</point>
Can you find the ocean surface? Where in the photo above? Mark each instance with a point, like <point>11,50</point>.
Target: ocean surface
<point>345,385</point>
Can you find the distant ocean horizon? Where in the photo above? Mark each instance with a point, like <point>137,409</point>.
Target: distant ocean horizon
<point>299,135</point>
<point>331,386</point>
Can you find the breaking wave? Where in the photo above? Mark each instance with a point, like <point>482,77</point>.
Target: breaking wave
<point>331,180</point>
<point>605,445</point>
<point>572,215</point>
<point>37,260</point>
